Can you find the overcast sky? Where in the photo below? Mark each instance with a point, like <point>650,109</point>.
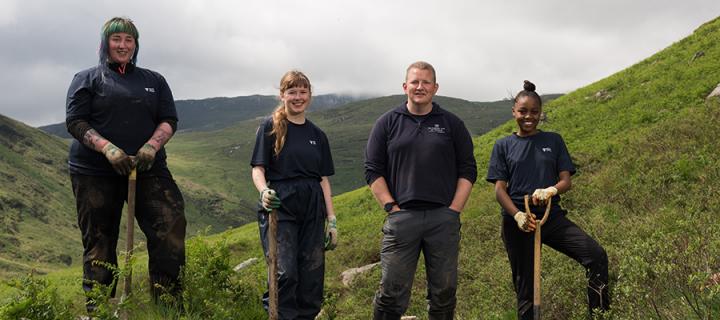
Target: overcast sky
<point>482,50</point>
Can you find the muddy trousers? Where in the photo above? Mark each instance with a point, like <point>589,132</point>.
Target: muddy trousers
<point>301,252</point>
<point>159,212</point>
<point>406,233</point>
<point>566,237</point>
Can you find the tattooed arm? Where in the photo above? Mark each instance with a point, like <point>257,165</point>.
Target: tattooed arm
<point>161,136</point>
<point>146,154</point>
<point>83,132</point>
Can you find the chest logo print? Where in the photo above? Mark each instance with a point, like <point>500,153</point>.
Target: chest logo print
<point>546,149</point>
<point>150,90</point>
<point>436,129</point>
<point>313,142</point>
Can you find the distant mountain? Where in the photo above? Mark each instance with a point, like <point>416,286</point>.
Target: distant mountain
<point>213,167</point>
<point>217,113</point>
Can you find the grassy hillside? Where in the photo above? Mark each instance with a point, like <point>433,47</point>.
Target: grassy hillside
<point>648,183</point>
<point>647,188</point>
<point>213,167</point>
<point>644,141</point>
<point>35,193</point>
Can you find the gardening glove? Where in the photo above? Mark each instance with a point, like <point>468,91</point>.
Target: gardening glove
<point>119,160</point>
<point>269,199</point>
<point>542,195</point>
<point>526,222</point>
<point>145,157</point>
<point>331,234</point>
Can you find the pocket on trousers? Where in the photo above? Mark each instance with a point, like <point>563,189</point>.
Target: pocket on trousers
<point>391,221</point>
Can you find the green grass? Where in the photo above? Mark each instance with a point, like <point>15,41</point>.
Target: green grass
<point>647,189</point>
<point>34,194</point>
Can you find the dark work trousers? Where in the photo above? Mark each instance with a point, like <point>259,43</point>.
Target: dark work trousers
<point>159,210</point>
<point>301,251</point>
<point>563,235</point>
<point>406,233</point>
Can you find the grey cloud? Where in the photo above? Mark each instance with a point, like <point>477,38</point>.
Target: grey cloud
<point>482,50</point>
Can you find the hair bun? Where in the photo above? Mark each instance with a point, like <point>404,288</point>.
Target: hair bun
<point>529,86</point>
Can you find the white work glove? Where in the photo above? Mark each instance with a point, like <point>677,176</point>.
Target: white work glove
<point>269,199</point>
<point>331,233</point>
<point>542,195</point>
<point>524,221</point>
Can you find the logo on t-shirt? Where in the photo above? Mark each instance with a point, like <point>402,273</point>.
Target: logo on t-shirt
<point>313,142</point>
<point>150,90</point>
<point>546,149</point>
<point>436,129</point>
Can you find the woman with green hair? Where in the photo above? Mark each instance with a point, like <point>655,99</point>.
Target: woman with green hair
<point>121,116</point>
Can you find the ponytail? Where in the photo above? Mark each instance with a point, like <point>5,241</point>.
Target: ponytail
<point>279,125</point>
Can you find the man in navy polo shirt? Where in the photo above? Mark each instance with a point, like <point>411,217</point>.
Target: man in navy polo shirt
<point>420,166</point>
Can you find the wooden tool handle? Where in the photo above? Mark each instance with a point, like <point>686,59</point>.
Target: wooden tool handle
<point>272,266</point>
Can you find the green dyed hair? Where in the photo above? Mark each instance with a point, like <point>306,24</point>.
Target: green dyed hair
<point>115,25</point>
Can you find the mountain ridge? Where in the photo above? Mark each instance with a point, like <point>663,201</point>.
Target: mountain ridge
<point>219,112</point>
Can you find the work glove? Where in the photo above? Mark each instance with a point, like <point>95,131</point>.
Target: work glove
<point>145,157</point>
<point>269,199</point>
<point>331,234</point>
<point>526,222</point>
<point>542,195</point>
<point>119,160</point>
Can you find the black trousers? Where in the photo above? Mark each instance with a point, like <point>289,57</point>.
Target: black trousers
<point>301,251</point>
<point>159,210</point>
<point>563,235</point>
<point>406,233</point>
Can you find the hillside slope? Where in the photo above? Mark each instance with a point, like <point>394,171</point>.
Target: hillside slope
<point>648,185</point>
<point>647,188</point>
<point>37,223</point>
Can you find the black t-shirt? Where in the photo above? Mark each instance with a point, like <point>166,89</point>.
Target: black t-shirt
<point>124,108</point>
<point>306,153</point>
<point>529,163</point>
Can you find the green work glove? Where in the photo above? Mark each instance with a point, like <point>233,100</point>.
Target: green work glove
<point>269,199</point>
<point>119,160</point>
<point>331,233</point>
<point>145,157</point>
